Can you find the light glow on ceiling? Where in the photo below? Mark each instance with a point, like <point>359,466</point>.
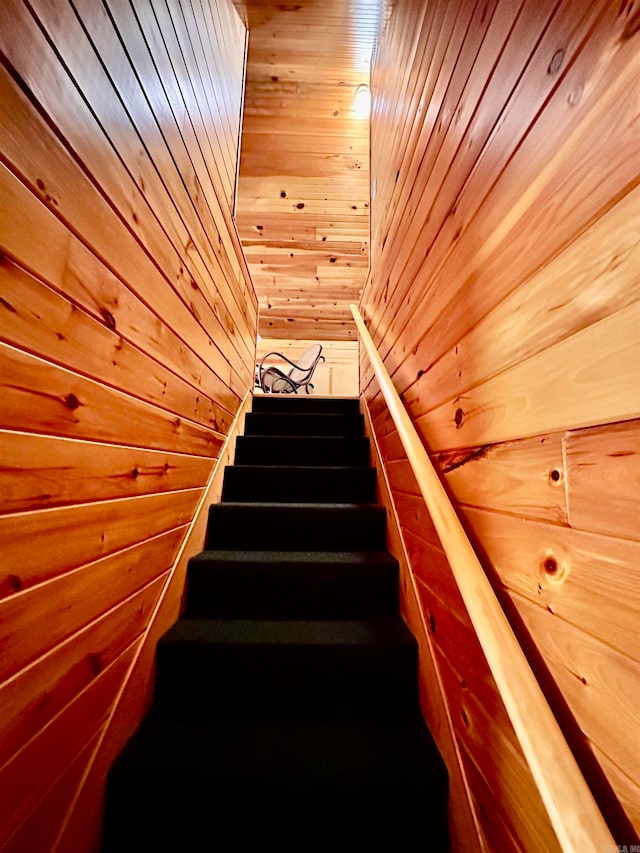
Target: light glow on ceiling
<point>362,102</point>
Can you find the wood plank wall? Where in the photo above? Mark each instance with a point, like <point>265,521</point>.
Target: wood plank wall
<point>504,296</point>
<point>127,330</point>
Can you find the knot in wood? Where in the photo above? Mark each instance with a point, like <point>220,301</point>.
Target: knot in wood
<point>71,402</point>
<point>556,62</point>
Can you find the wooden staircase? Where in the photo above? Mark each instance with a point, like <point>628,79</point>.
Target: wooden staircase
<point>286,710</point>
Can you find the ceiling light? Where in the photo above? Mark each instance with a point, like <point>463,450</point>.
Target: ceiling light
<point>362,102</point>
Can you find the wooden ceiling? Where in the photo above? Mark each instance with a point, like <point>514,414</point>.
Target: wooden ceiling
<point>303,193</point>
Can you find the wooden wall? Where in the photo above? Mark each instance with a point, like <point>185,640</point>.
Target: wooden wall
<point>127,329</point>
<point>303,199</point>
<point>504,296</point>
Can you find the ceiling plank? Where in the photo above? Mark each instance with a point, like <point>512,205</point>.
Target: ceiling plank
<point>303,195</point>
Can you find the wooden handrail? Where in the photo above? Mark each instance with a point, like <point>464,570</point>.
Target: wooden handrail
<point>574,814</point>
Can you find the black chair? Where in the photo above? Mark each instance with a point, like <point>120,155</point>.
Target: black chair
<point>272,380</point>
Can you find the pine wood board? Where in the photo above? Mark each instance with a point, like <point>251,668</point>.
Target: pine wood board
<point>518,206</point>
<point>172,24</point>
<point>582,578</point>
<point>496,835</point>
<point>315,183</point>
<point>205,70</point>
<point>31,700</point>
<point>603,479</point>
<point>598,384</point>
<point>334,169</point>
<point>41,243</point>
<point>356,201</point>
<point>309,245</point>
<point>54,749</point>
<point>336,289</point>
<point>42,397</point>
<point>463,826</point>
<point>204,131</point>
<point>627,791</point>
<point>467,671</point>
<point>334,274</point>
<point>511,61</point>
<point>139,207</point>
<point>504,53</point>
<point>304,104</point>
<point>596,275</point>
<point>400,66</point>
<point>32,149</point>
<point>35,318</point>
<point>40,827</point>
<point>66,538</point>
<point>595,681</point>
<point>501,765</point>
<point>210,227</point>
<point>336,228</point>
<point>335,330</point>
<point>185,106</point>
<point>524,478</point>
<point>254,142</point>
<point>444,60</point>
<point>37,620</point>
<point>41,472</point>
<point>277,259</point>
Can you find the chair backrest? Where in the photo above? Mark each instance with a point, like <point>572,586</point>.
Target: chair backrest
<point>306,362</point>
<point>274,382</point>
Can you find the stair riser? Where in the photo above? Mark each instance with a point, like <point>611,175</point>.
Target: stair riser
<point>285,684</point>
<point>296,450</point>
<point>254,483</point>
<point>303,425</point>
<point>314,527</point>
<point>274,403</point>
<point>268,591</point>
<point>275,811</point>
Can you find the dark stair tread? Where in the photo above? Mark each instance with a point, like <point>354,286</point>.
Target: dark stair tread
<point>281,403</point>
<point>308,424</point>
<point>353,559</point>
<point>300,450</point>
<point>343,788</point>
<point>315,526</point>
<point>292,584</point>
<point>289,670</point>
<point>299,483</point>
<point>262,633</point>
<point>374,753</point>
